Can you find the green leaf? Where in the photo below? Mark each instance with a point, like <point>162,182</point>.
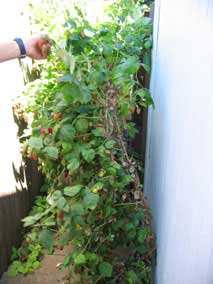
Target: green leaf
<point>52,152</point>
<point>35,142</point>
<point>123,71</point>
<point>110,144</point>
<point>129,226</point>
<point>73,165</point>
<point>67,133</point>
<point>67,261</point>
<point>53,198</point>
<point>46,239</point>
<point>131,277</point>
<point>131,234</point>
<point>71,24</point>
<point>62,204</point>
<point>65,79</point>
<point>49,224</point>
<point>78,219</point>
<point>146,21</point>
<point>96,187</point>
<point>71,92</point>
<point>77,209</point>
<point>148,44</point>
<point>142,249</point>
<point>147,59</point>
<point>79,259</point>
<point>91,200</point>
<point>82,125</point>
<point>36,265</point>
<point>108,50</point>
<point>23,269</point>
<point>67,147</point>
<point>29,221</point>
<point>74,92</point>
<point>146,67</point>
<point>132,129</point>
<point>86,97</point>
<point>88,154</point>
<point>130,65</point>
<point>48,140</point>
<point>105,269</point>
<point>92,258</point>
<point>142,235</point>
<point>72,190</point>
<point>12,272</point>
<point>99,131</point>
<point>145,96</point>
<point>14,269</point>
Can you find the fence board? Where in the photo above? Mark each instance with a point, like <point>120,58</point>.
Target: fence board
<point>14,206</point>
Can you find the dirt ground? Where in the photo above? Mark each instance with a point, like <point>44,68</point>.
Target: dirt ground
<point>49,273</point>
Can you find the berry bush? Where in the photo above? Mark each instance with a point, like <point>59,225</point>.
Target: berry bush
<point>80,126</point>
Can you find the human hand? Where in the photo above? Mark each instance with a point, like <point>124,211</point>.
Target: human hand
<point>38,47</point>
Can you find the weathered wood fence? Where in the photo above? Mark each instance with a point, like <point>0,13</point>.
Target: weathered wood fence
<point>15,206</point>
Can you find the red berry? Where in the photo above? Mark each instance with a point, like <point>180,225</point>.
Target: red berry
<point>44,46</point>
<point>40,42</point>
<point>59,247</point>
<point>60,115</point>
<point>60,215</point>
<point>66,174</point>
<point>45,49</point>
<point>53,114</point>
<point>57,115</point>
<point>43,131</point>
<point>50,130</point>
<point>34,156</point>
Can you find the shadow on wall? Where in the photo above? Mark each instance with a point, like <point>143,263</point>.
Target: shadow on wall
<point>15,205</point>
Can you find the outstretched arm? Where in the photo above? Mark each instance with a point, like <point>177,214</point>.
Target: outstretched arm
<point>9,50</point>
<point>37,47</point>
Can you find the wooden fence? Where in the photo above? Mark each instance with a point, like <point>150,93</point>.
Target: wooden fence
<point>15,206</point>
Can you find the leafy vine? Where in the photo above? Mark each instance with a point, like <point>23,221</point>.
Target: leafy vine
<point>81,110</point>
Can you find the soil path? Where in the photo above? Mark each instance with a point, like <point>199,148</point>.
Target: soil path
<point>49,273</point>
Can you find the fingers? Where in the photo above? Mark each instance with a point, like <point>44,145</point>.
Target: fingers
<point>43,44</point>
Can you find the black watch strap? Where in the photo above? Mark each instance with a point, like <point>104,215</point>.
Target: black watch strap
<point>21,46</point>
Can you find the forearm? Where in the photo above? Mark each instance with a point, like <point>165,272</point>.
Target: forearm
<point>9,50</point>
<point>35,47</point>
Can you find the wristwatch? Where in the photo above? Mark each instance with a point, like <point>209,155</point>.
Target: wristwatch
<point>21,46</point>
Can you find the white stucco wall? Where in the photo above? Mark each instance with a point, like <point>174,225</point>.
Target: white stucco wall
<point>179,164</point>
<point>12,24</point>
